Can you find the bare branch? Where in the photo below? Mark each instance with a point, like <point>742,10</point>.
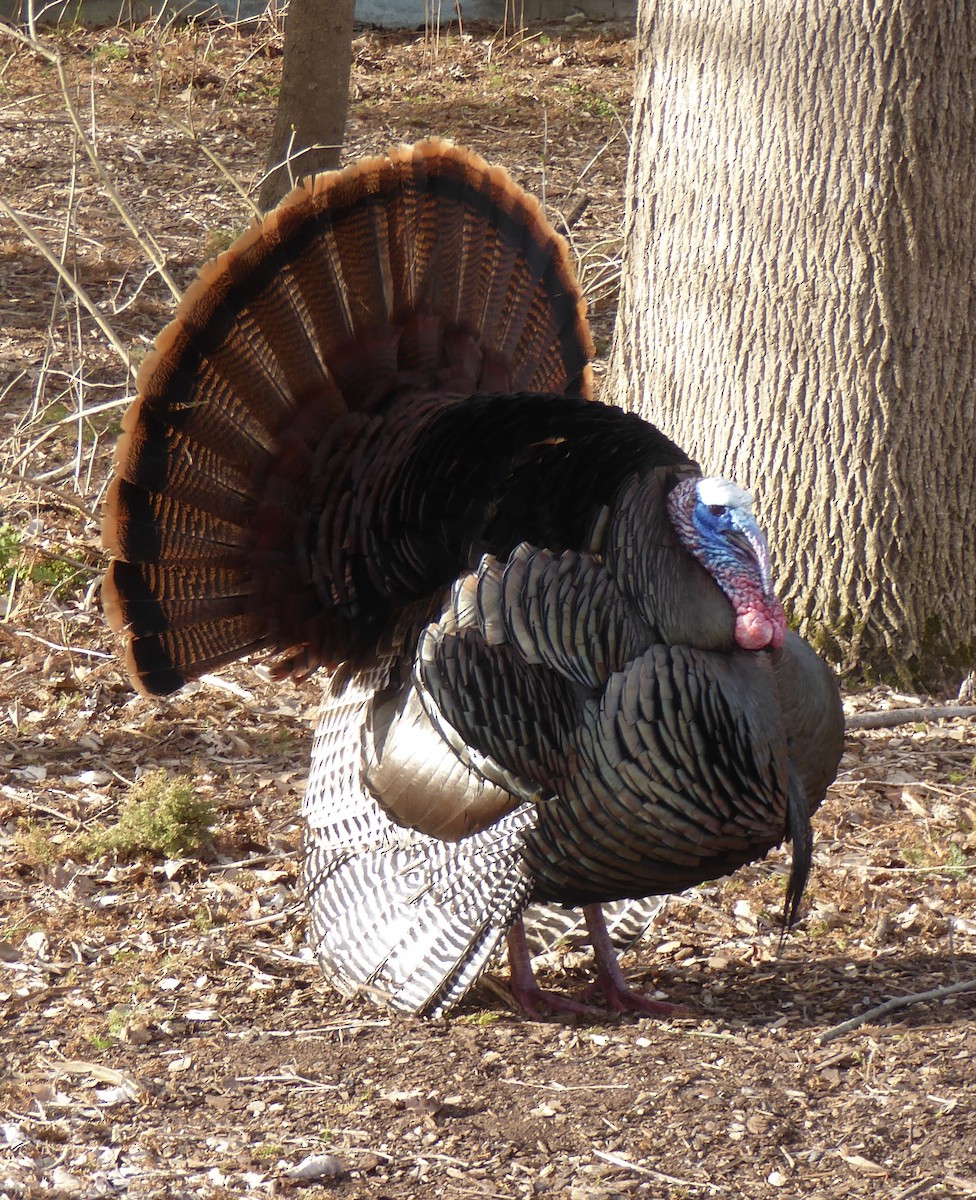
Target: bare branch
<point>891,717</point>
<point>38,242</point>
<point>144,238</point>
<point>217,161</point>
<point>890,1006</point>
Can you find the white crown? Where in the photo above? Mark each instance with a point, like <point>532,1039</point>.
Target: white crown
<point>722,491</point>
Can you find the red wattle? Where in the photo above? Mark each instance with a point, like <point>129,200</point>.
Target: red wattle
<point>760,626</point>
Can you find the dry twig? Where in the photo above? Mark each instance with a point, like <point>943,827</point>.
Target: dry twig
<point>143,237</point>
<point>95,312</point>
<point>889,1006</point>
<point>9,631</point>
<point>888,718</point>
<point>659,1175</point>
<point>217,161</point>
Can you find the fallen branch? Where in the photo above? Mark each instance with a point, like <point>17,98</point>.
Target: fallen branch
<point>8,631</point>
<point>616,1161</point>
<point>889,1006</point>
<point>908,716</point>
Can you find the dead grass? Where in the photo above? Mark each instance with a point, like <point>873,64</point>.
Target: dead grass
<point>163,1030</point>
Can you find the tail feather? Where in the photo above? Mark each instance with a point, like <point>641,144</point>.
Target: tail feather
<point>202,647</point>
<point>149,527</point>
<point>424,273</point>
<point>157,599</point>
<point>162,459</point>
<point>215,357</point>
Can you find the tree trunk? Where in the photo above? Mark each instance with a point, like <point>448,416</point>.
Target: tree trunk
<point>311,117</point>
<point>798,307</point>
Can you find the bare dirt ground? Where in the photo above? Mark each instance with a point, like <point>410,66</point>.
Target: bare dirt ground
<point>163,1031</point>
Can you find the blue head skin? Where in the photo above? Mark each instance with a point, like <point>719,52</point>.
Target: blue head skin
<point>713,518</point>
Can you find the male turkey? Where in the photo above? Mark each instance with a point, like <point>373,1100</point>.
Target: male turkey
<point>559,672</point>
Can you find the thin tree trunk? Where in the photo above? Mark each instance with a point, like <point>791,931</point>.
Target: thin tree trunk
<point>798,306</point>
<point>314,95</point>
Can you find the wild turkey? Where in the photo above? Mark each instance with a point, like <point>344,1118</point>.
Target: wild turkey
<point>559,672</point>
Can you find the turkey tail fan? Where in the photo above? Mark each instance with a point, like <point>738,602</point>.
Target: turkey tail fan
<point>424,272</point>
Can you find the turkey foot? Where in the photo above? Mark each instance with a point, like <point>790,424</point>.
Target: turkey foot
<point>610,983</point>
<point>620,998</point>
<point>525,989</point>
<point>531,997</point>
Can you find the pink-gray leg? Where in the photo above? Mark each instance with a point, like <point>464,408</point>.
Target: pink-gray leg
<point>610,982</point>
<point>525,989</point>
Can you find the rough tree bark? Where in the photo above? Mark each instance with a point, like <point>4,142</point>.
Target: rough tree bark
<point>798,306</point>
<point>311,117</point>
